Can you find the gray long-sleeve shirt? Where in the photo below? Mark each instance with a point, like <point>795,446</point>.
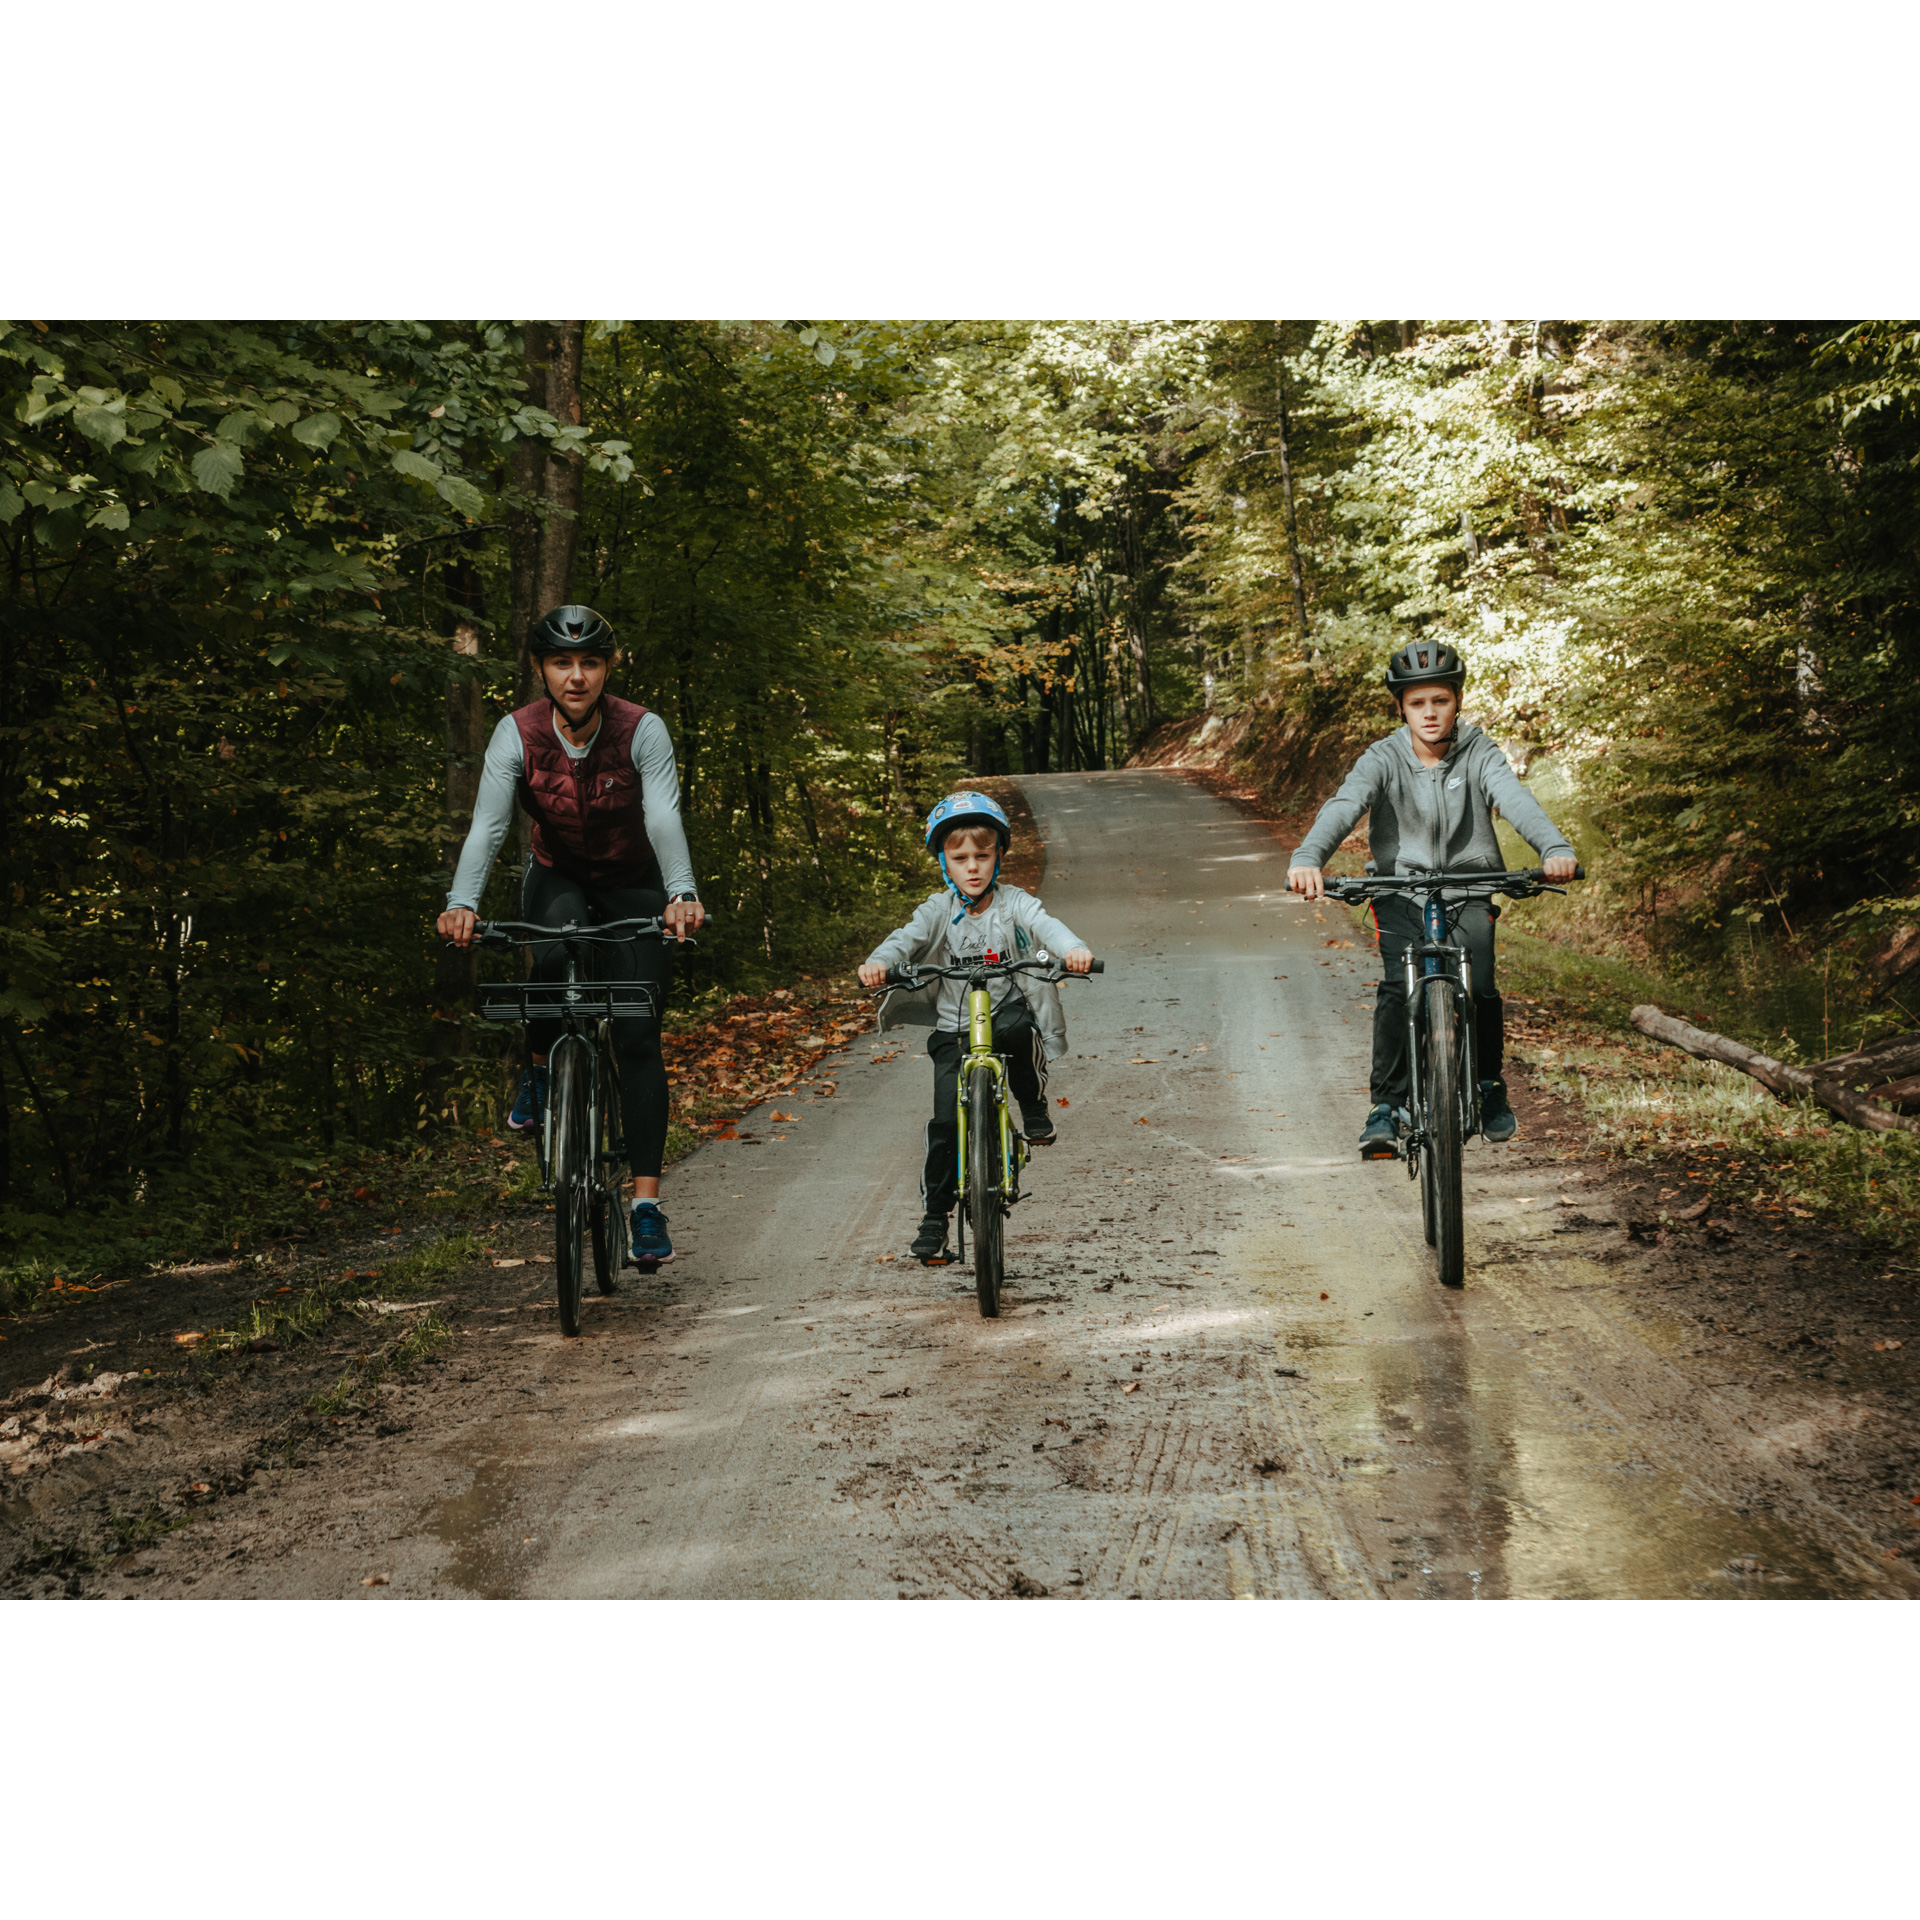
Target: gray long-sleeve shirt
<point>1431,819</point>
<point>500,776</point>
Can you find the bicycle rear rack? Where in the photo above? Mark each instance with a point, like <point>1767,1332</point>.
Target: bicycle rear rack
<point>516,1001</point>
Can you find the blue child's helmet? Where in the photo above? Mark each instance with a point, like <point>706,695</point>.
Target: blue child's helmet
<point>965,810</point>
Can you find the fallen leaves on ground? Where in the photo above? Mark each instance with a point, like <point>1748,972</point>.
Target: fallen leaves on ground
<point>754,1047</point>
<point>378,1580</point>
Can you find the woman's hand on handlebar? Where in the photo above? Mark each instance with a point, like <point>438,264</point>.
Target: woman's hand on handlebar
<point>684,917</point>
<point>872,974</point>
<point>1563,866</point>
<point>1078,961</point>
<point>457,924</point>
<point>1309,881</point>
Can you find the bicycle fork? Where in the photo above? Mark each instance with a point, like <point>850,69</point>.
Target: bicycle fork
<point>981,1058</point>
<point>1433,955</point>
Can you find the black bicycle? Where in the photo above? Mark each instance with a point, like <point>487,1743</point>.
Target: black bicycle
<point>991,1150</point>
<point>1443,1110</point>
<point>582,1148</point>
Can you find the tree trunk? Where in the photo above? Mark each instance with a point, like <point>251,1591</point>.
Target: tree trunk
<point>544,525</point>
<point>457,971</point>
<point>1773,1074</point>
<point>1293,529</point>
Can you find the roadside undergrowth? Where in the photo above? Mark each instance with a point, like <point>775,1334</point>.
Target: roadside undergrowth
<point>1646,1103</point>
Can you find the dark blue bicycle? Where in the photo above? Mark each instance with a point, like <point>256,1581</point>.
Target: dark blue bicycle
<point>1443,1109</point>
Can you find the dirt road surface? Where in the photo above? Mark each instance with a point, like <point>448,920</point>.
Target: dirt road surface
<point>1224,1369</point>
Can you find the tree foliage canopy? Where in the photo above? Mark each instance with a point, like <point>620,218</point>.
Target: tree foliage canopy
<point>263,585</point>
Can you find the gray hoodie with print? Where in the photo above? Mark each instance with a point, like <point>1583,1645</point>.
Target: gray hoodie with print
<point>1431,819</point>
<point>1013,923</point>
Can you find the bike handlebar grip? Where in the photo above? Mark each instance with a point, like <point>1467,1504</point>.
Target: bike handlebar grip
<point>895,977</point>
<point>1097,966</point>
<point>1579,872</point>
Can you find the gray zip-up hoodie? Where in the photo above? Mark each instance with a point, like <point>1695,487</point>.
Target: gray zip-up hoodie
<point>1013,924</point>
<point>1431,819</point>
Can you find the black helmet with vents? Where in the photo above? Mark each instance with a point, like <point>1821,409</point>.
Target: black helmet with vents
<point>569,630</point>
<point>1423,662</point>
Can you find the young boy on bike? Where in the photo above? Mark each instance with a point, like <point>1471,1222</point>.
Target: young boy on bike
<point>1431,789</point>
<point>975,917</point>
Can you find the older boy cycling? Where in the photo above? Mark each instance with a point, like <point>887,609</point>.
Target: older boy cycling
<point>1430,789</point>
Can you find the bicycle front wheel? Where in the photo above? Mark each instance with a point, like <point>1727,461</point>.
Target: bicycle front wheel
<point>1427,1206</point>
<point>572,1178</point>
<point>1446,1224</point>
<point>608,1226</point>
<point>983,1198</point>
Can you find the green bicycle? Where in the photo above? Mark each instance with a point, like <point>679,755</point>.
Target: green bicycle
<point>991,1150</point>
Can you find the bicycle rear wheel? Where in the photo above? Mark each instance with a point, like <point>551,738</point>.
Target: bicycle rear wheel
<point>983,1202</point>
<point>572,1178</point>
<point>1447,1230</point>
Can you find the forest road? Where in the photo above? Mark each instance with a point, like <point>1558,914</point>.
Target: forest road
<point>1224,1369</point>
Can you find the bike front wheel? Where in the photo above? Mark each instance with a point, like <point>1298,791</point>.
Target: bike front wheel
<point>608,1225</point>
<point>1446,1229</point>
<point>572,1180</point>
<point>983,1198</point>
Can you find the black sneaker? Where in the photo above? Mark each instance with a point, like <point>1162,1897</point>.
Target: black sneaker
<point>930,1243</point>
<point>1038,1125</point>
<point>1380,1138</point>
<point>1497,1119</point>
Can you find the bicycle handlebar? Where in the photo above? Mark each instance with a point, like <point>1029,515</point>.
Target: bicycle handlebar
<point>497,933</point>
<point>914,976</point>
<point>1523,880</point>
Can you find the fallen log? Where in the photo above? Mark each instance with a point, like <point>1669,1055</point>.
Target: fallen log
<point>1771,1073</point>
<point>1904,1094</point>
<point>1890,1059</point>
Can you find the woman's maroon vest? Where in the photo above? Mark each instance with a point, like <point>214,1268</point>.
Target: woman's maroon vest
<point>589,821</point>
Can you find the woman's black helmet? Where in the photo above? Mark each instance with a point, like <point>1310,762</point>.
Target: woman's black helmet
<point>1423,662</point>
<point>569,630</point>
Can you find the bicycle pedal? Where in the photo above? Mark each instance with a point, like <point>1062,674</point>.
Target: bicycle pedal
<point>944,1258</point>
<point>1379,1153</point>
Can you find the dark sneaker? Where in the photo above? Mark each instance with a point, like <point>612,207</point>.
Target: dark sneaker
<point>1497,1120</point>
<point>529,1101</point>
<point>648,1235</point>
<point>930,1243</point>
<point>1038,1125</point>
<point>1380,1138</point>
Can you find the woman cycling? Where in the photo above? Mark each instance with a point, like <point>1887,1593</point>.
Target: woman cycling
<point>597,775</point>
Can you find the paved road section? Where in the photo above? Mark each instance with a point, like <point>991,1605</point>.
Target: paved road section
<point>1225,1368</point>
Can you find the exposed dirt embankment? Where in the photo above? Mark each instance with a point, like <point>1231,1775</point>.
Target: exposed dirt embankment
<point>1265,757</point>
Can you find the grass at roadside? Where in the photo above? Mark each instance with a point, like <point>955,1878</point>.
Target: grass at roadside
<point>1644,1102</point>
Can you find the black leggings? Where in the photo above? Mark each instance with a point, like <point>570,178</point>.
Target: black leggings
<point>1400,927</point>
<point>1017,1040</point>
<point>550,899</point>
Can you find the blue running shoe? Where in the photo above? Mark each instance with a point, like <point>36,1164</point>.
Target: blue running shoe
<point>648,1236</point>
<point>529,1101</point>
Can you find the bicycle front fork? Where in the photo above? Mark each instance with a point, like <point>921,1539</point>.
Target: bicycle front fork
<point>1427,962</point>
<point>1012,1151</point>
